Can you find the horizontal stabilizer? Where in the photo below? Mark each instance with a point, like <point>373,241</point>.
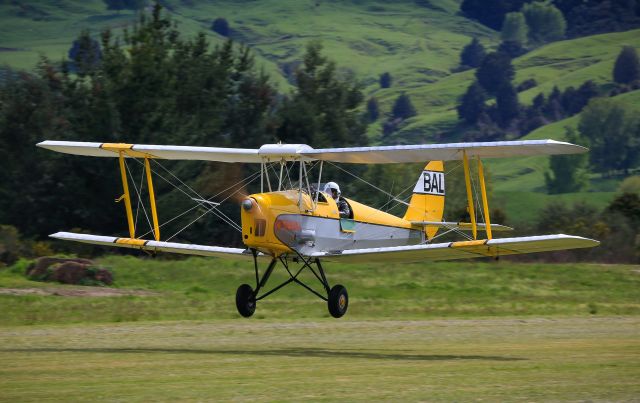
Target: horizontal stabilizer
<point>460,250</point>
<point>464,226</point>
<point>154,246</point>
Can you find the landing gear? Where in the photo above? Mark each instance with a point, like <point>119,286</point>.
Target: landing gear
<point>338,301</point>
<point>246,297</point>
<point>245,300</point>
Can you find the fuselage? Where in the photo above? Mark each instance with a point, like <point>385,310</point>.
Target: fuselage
<point>281,222</point>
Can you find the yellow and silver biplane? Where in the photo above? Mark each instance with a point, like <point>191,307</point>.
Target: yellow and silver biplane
<point>294,222</point>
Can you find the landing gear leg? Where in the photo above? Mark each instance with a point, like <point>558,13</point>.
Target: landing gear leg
<point>336,297</point>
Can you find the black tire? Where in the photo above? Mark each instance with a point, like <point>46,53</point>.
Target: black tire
<point>338,301</point>
<point>245,300</point>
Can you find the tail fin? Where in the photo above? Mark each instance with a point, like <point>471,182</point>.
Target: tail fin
<point>427,201</point>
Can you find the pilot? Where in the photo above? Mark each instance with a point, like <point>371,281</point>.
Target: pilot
<point>333,189</point>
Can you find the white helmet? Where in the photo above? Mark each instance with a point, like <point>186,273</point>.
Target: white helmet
<point>332,185</point>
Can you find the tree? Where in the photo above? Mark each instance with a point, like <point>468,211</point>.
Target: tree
<point>568,172</point>
<point>385,80</point>
<point>507,103</point>
<point>627,204</point>
<point>612,133</point>
<point>495,70</point>
<point>124,4</point>
<point>373,110</point>
<point>403,108</point>
<point>220,26</point>
<point>514,28</point>
<point>546,23</point>
<point>85,54</point>
<point>323,110</point>
<point>490,12</point>
<point>472,54</point>
<point>472,104</point>
<point>627,67</point>
<point>594,17</point>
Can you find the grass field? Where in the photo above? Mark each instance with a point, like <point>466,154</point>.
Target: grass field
<point>203,289</point>
<point>442,331</point>
<point>562,359</point>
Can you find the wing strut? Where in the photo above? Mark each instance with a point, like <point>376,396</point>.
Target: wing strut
<point>152,200</point>
<point>483,191</point>
<point>126,196</point>
<point>485,202</point>
<point>467,181</point>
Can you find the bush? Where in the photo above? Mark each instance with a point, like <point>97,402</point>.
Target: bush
<point>220,26</point>
<point>403,108</point>
<point>630,185</point>
<point>627,67</point>
<point>385,80</point>
<point>472,54</point>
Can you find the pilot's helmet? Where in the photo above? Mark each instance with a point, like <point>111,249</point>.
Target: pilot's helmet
<point>332,186</point>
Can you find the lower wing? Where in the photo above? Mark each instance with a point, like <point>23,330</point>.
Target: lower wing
<point>414,253</point>
<point>155,246</point>
<point>460,250</point>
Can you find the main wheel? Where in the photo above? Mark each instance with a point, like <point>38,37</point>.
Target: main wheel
<point>245,300</point>
<point>338,301</point>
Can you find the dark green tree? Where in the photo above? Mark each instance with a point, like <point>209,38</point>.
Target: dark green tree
<point>612,133</point>
<point>472,104</point>
<point>627,67</point>
<point>472,54</point>
<point>568,173</point>
<point>220,26</point>
<point>85,54</point>
<point>514,28</point>
<point>373,109</point>
<point>124,4</point>
<point>385,80</point>
<point>490,12</point>
<point>507,103</point>
<point>403,108</point>
<point>323,109</point>
<point>495,70</point>
<point>546,23</point>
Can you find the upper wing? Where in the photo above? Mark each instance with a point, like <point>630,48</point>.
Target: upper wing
<point>461,250</point>
<point>443,152</point>
<point>154,246</point>
<point>291,152</point>
<point>153,151</point>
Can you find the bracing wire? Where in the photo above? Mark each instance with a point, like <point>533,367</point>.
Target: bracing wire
<point>218,213</point>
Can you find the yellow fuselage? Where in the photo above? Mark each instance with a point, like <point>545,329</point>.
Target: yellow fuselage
<point>262,223</point>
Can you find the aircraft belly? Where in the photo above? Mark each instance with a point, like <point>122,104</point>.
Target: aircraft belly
<point>320,234</point>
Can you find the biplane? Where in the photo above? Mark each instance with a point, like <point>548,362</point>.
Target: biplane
<point>294,223</point>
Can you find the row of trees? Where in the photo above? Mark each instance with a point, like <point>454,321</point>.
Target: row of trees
<point>581,17</point>
<point>507,117</point>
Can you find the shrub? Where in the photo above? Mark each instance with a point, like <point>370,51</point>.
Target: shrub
<point>220,26</point>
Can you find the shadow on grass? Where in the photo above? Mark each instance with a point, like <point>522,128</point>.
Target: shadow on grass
<point>290,352</point>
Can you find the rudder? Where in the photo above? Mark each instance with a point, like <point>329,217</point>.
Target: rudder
<point>427,201</point>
